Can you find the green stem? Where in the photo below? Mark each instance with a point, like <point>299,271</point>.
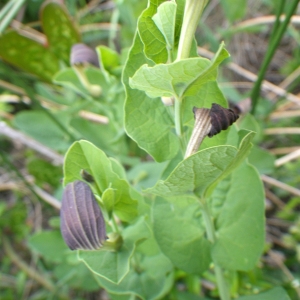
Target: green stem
<point>277,21</point>
<point>222,285</point>
<point>178,121</point>
<point>192,13</point>
<point>114,225</point>
<point>276,38</point>
<point>211,234</point>
<point>178,124</point>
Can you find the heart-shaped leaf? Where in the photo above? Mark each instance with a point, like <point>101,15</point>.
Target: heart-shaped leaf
<point>240,221</point>
<point>85,156</point>
<point>180,78</point>
<point>178,229</point>
<point>199,173</point>
<point>113,266</point>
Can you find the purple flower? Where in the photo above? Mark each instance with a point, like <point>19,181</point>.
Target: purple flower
<point>82,222</point>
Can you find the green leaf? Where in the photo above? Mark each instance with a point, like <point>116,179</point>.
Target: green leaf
<point>263,160</point>
<point>200,173</point>
<point>277,293</point>
<point>44,172</point>
<point>152,279</point>
<point>108,58</point>
<point>101,135</point>
<point>145,174</point>
<point>59,29</point>
<point>179,79</point>
<point>113,266</point>
<point>83,155</point>
<point>233,11</point>
<point>165,21</point>
<point>249,122</point>
<point>75,274</point>
<point>41,127</point>
<point>240,224</point>
<point>244,150</point>
<point>68,78</point>
<point>196,172</point>
<point>118,168</point>
<point>169,79</point>
<point>147,120</point>
<point>179,231</point>
<point>179,18</point>
<point>108,199</point>
<point>49,244</point>
<point>28,55</point>
<point>153,40</point>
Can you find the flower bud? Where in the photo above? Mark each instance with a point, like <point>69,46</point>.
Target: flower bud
<point>82,54</point>
<point>82,222</point>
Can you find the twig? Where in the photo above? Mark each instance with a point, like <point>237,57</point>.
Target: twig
<point>45,102</point>
<point>8,186</point>
<point>285,114</point>
<point>31,143</point>
<point>29,32</point>
<point>41,193</point>
<point>276,200</point>
<point>93,117</point>
<point>283,150</point>
<point>32,273</point>
<point>292,77</point>
<point>237,84</point>
<point>11,99</point>
<point>280,184</point>
<point>287,81</point>
<point>279,260</point>
<point>282,130</point>
<point>291,156</point>
<point>47,197</point>
<point>278,223</point>
<point>20,91</point>
<point>263,21</point>
<point>286,105</point>
<point>266,85</point>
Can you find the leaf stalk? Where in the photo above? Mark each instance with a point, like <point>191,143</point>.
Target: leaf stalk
<point>178,121</point>
<point>211,234</point>
<point>192,13</point>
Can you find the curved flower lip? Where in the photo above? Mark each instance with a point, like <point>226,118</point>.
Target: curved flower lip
<point>82,222</point>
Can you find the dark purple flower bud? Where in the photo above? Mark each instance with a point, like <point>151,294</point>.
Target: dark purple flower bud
<point>221,118</point>
<point>82,222</point>
<point>81,53</point>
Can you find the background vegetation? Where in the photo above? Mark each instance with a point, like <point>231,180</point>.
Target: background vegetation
<point>44,108</point>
